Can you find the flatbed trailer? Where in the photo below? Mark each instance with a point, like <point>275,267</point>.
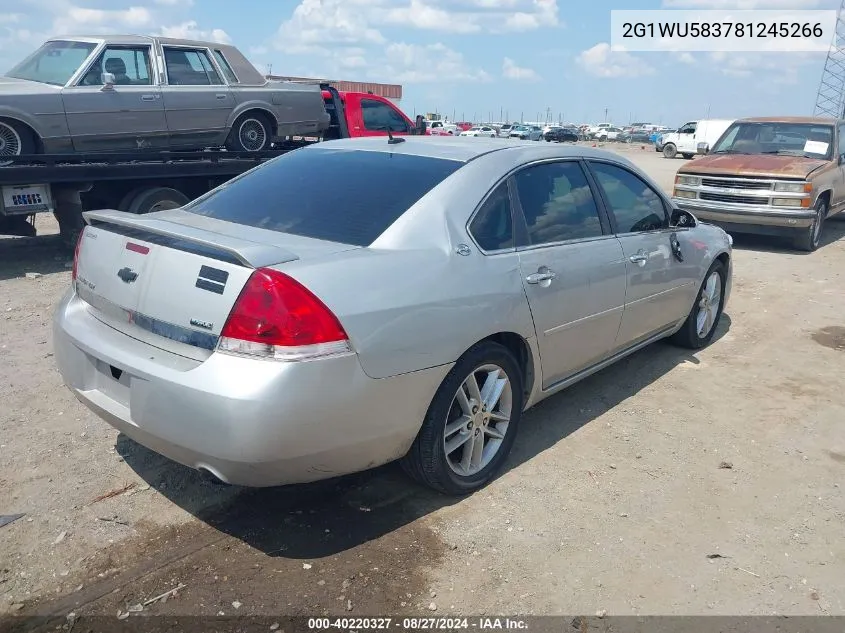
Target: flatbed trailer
<point>141,181</point>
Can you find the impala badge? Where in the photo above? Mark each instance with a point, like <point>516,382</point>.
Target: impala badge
<point>205,325</point>
<point>127,275</point>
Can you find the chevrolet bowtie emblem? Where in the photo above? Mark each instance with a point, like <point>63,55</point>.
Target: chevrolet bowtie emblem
<point>127,275</point>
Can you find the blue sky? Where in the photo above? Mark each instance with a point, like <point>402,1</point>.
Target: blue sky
<point>467,57</point>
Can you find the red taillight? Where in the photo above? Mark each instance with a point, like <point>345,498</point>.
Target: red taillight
<point>277,317</point>
<point>76,255</point>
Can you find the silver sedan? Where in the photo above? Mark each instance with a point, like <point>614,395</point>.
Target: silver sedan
<point>362,301</point>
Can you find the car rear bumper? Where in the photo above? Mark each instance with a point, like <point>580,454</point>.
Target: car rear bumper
<point>747,218</point>
<point>248,422</point>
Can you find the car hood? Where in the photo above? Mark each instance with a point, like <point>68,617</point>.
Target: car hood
<point>12,86</point>
<point>754,165</point>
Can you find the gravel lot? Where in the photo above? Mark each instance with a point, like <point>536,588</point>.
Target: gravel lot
<point>617,497</point>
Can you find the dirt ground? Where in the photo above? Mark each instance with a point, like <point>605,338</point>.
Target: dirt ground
<point>618,496</point>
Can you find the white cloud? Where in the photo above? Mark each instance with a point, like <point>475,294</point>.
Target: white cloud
<point>354,22</point>
<point>742,4</point>
<point>510,70</point>
<point>190,31</point>
<point>684,58</point>
<point>414,63</point>
<point>81,19</point>
<point>601,61</point>
<point>175,3</point>
<point>770,68</point>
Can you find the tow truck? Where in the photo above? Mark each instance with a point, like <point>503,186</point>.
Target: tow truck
<point>145,181</point>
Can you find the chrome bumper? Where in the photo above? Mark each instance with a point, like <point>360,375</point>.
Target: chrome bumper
<point>746,214</point>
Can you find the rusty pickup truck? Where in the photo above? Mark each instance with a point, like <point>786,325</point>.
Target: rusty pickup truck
<point>778,176</point>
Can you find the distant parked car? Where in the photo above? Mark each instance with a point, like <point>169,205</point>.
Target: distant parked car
<point>608,134</point>
<point>484,130</point>
<point>526,132</point>
<point>131,92</point>
<point>562,134</point>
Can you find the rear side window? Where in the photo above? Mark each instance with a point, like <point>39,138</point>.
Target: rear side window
<point>347,196</point>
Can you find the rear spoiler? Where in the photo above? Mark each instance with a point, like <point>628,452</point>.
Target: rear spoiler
<point>244,252</point>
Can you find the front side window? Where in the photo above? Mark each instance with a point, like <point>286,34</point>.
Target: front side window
<point>687,128</point>
<point>190,67</point>
<point>635,205</point>
<point>369,191</point>
<point>492,226</point>
<point>557,203</point>
<point>379,116</point>
<point>54,62</point>
<point>130,66</point>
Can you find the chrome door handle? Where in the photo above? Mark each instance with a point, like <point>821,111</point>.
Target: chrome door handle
<point>536,278</point>
<point>640,258</point>
<point>147,97</point>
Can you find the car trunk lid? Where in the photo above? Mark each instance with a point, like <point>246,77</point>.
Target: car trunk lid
<point>171,278</point>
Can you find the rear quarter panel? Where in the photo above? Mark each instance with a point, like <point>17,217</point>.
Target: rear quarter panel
<point>297,109</point>
<point>44,113</point>
<point>406,310</point>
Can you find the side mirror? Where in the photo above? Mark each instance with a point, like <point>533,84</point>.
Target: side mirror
<point>420,126</point>
<point>682,219</point>
<point>108,81</point>
<point>702,148</point>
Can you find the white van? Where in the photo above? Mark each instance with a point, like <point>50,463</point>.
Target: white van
<point>694,137</point>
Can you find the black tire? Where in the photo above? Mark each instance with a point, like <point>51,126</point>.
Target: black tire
<point>426,461</point>
<point>808,239</point>
<point>688,335</point>
<point>71,223</point>
<point>151,199</point>
<point>670,151</point>
<point>249,123</point>
<point>16,139</point>
<point>688,156</point>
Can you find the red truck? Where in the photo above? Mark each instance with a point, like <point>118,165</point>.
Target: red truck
<point>144,181</point>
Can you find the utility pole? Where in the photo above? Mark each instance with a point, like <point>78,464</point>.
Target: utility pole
<point>605,115</point>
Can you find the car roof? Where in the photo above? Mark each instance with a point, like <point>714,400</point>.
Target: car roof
<point>141,39</point>
<point>790,119</point>
<point>464,149</point>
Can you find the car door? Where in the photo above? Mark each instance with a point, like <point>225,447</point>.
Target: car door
<point>125,116</point>
<point>377,118</point>
<point>572,267</point>
<point>660,288</point>
<point>197,100</point>
<point>686,138</point>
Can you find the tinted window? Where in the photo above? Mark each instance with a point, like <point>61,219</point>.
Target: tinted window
<point>634,204</point>
<point>224,65</point>
<point>186,67</point>
<point>557,203</point>
<point>129,65</point>
<point>328,194</point>
<point>842,140</point>
<point>380,116</point>
<point>492,226</point>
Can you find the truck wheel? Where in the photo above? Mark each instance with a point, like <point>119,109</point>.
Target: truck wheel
<point>250,133</point>
<point>15,139</point>
<point>152,199</point>
<point>68,213</point>
<point>808,239</point>
<point>670,151</point>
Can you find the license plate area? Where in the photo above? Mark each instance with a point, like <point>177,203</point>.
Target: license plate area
<point>26,199</point>
<point>113,382</point>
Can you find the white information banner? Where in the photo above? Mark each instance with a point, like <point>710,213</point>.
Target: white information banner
<point>751,31</point>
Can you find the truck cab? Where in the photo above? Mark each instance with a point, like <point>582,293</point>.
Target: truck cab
<point>367,114</point>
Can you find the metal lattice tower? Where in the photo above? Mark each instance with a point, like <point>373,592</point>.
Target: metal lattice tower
<point>830,101</point>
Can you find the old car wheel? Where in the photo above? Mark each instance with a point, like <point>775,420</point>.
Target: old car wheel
<point>15,140</point>
<point>150,200</point>
<point>471,425</point>
<point>250,133</point>
<point>670,151</point>
<point>702,321</point>
<point>808,239</point>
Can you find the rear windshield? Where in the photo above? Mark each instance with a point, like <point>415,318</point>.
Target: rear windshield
<point>347,196</point>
